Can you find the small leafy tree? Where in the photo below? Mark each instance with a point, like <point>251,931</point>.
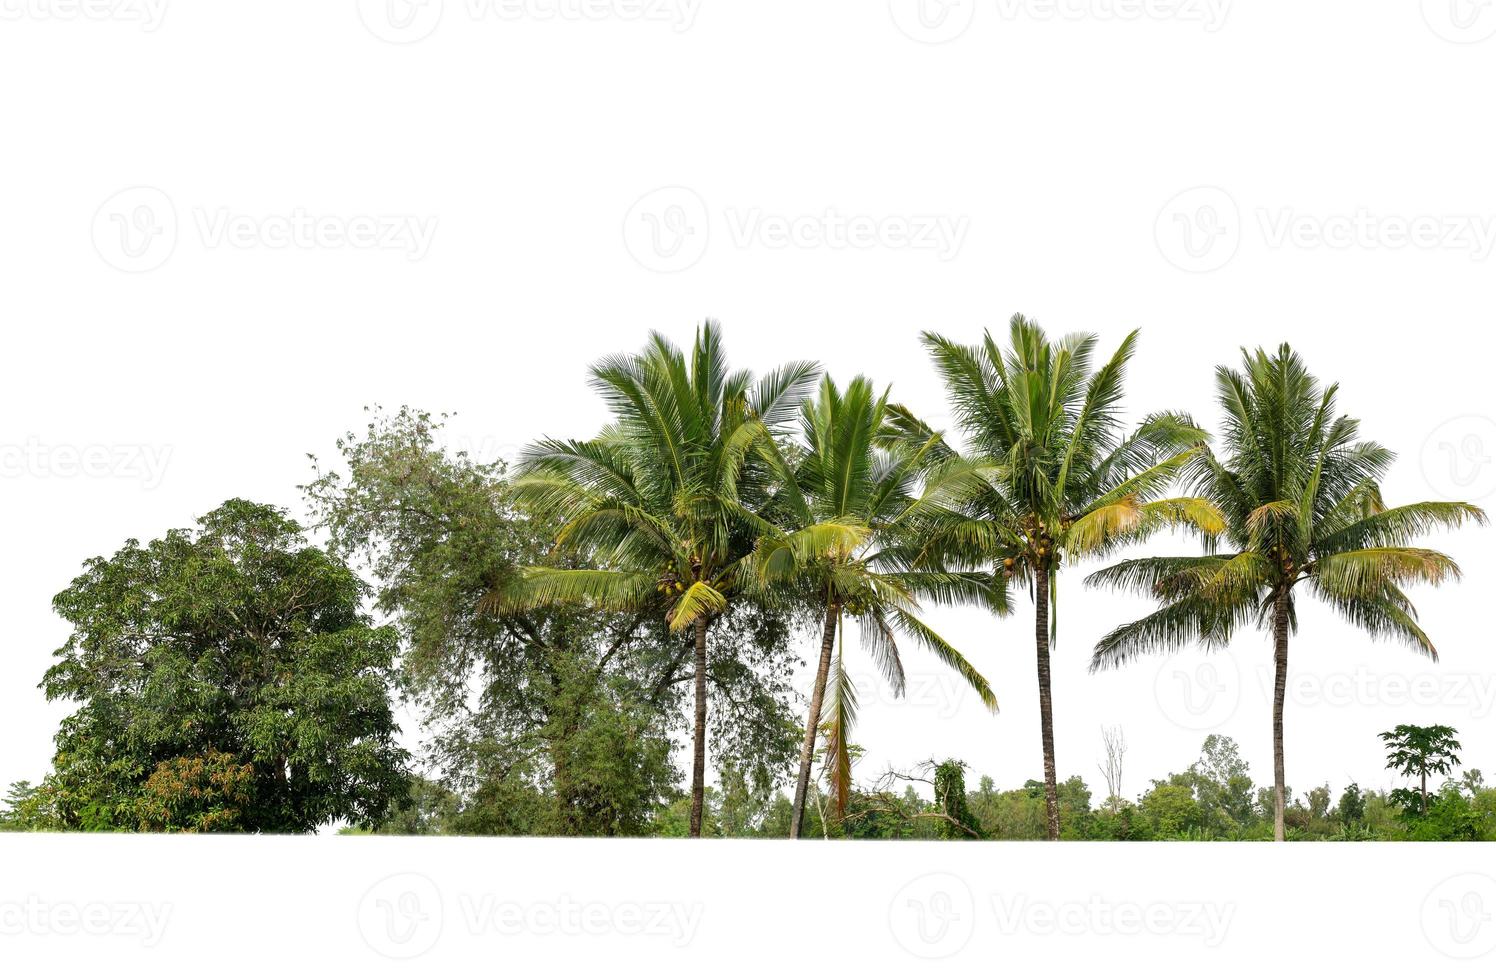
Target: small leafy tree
<point>1414,750</point>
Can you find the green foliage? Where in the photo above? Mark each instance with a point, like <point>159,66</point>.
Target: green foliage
<point>225,679</point>
<point>578,709</point>
<point>950,801</point>
<point>851,507</point>
<point>1420,751</point>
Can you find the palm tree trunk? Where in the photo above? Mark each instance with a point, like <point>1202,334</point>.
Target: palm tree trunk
<point>698,747</point>
<point>1280,688</point>
<point>1046,706</point>
<point>813,721</point>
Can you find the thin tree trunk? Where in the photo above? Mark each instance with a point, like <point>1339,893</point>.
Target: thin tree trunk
<point>1280,688</point>
<point>1423,791</point>
<point>1046,706</point>
<point>698,748</point>
<point>813,721</point>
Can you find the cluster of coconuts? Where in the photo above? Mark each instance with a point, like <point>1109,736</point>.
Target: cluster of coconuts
<point>1040,541</point>
<point>669,582</point>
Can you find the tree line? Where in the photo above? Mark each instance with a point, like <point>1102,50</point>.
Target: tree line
<point>559,624</point>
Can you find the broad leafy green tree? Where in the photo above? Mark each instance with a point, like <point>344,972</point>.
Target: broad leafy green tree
<point>226,678</point>
<point>662,506</point>
<point>1422,751</point>
<point>1071,481</point>
<point>553,720</point>
<point>1300,491</point>
<point>853,513</point>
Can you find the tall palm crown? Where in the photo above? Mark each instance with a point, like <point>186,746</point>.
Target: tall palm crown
<point>853,511</point>
<point>661,503</point>
<point>1071,481</point>
<point>1300,492</point>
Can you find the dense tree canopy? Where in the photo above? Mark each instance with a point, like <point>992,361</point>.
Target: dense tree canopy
<point>226,678</point>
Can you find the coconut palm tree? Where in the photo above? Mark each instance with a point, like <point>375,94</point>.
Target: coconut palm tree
<point>852,512</point>
<point>1300,494</point>
<point>1070,481</point>
<point>661,503</point>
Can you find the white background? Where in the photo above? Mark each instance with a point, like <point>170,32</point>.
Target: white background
<point>1218,174</point>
